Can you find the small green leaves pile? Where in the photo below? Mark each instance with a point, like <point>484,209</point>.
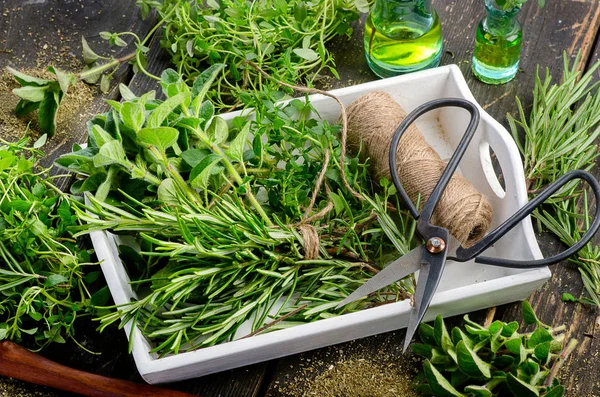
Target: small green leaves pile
<point>479,361</point>
<point>42,95</point>
<point>286,38</point>
<point>240,222</point>
<point>42,270</point>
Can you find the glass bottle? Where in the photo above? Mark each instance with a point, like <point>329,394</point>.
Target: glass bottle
<point>497,45</point>
<point>402,36</point>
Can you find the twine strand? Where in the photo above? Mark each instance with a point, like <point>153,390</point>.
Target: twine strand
<point>372,120</point>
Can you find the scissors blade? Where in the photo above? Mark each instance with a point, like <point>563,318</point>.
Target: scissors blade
<point>396,270</point>
<point>429,278</point>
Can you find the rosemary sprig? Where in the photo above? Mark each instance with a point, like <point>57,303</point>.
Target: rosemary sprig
<point>250,222</point>
<point>559,136</point>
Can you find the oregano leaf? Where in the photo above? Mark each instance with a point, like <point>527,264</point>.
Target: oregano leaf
<point>30,93</point>
<point>202,84</point>
<point>160,137</point>
<point>520,388</point>
<point>478,391</point>
<point>47,112</point>
<point>89,56</point>
<point>557,391</point>
<point>218,131</point>
<point>236,148</point>
<point>133,115</point>
<point>202,171</point>
<point>528,314</point>
<point>438,383</point>
<point>167,192</point>
<point>470,363</point>
<point>110,153</point>
<point>158,115</point>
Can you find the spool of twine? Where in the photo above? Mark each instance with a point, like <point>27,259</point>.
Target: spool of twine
<point>372,120</point>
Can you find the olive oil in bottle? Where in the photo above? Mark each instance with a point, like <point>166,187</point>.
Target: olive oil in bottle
<point>497,45</point>
<point>402,36</point>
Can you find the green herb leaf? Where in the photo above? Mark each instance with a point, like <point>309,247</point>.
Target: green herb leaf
<point>306,53</point>
<point>542,351</point>
<point>218,131</point>
<point>439,385</point>
<point>64,80</point>
<point>89,56</point>
<point>30,93</point>
<point>528,314</point>
<point>100,136</point>
<point>441,335</point>
<point>237,146</point>
<point>126,93</point>
<point>158,115</point>
<point>110,153</point>
<point>24,107</point>
<point>25,79</point>
<point>426,331</point>
<point>470,363</point>
<point>160,137</point>
<point>557,391</point>
<point>133,114</point>
<point>478,391</point>
<point>47,112</point>
<point>567,297</point>
<point>105,83</point>
<point>540,335</point>
<point>202,84</point>
<point>201,172</point>
<point>41,141</point>
<point>520,388</point>
<point>167,192</point>
<point>55,279</point>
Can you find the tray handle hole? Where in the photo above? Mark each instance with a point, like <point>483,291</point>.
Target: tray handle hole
<point>492,169</point>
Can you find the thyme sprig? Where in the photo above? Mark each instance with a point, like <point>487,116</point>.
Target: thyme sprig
<point>287,39</point>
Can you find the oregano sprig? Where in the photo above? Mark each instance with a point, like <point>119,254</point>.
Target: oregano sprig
<point>497,360</point>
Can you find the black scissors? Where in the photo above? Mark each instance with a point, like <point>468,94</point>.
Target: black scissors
<point>440,245</point>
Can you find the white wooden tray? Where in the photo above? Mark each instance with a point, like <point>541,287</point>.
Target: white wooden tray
<point>465,287</point>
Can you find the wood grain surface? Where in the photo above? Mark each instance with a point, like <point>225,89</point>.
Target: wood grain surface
<point>38,32</point>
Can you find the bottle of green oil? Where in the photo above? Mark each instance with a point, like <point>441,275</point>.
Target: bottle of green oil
<point>497,44</point>
<point>402,36</point>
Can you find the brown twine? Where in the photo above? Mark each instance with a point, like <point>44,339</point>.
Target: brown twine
<point>310,241</point>
<point>372,120</point>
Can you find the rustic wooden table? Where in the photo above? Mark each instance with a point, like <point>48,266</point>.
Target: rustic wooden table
<point>42,32</point>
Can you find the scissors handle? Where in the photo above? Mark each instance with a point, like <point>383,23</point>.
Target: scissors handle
<point>465,254</point>
<point>435,195</point>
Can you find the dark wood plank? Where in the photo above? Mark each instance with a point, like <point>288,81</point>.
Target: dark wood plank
<point>564,25</point>
<point>35,34</point>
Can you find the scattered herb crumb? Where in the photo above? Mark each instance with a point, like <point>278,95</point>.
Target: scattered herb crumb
<point>361,378</point>
<point>351,370</point>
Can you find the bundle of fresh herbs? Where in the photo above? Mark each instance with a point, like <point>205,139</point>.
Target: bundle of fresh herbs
<point>42,269</point>
<point>497,360</point>
<point>285,38</point>
<point>560,135</point>
<point>253,220</point>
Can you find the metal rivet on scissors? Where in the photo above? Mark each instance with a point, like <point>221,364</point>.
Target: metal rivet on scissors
<point>430,259</point>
